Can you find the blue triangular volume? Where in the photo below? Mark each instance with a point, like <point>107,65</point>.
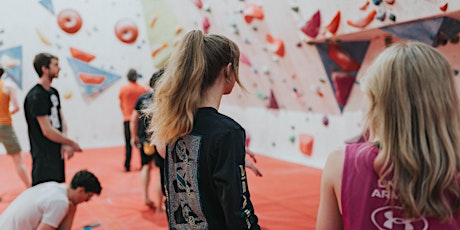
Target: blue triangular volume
<point>80,67</point>
<point>433,31</point>
<point>11,60</point>
<point>355,51</point>
<point>48,4</point>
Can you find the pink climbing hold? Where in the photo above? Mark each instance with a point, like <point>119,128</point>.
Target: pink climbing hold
<point>273,104</point>
<point>245,59</point>
<point>206,24</point>
<point>311,27</point>
<point>199,4</point>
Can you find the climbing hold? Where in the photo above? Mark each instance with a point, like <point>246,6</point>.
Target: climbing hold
<point>262,96</point>
<point>295,8</point>
<point>245,59</point>
<point>251,12</point>
<point>206,24</point>
<point>364,7</point>
<point>126,31</point>
<point>334,24</point>
<point>153,21</point>
<point>343,84</point>
<point>292,139</point>
<point>273,103</point>
<point>311,27</point>
<point>68,95</point>
<point>69,21</point>
<point>199,4</point>
<point>444,7</point>
<point>392,17</point>
<point>342,58</point>
<point>363,22</point>
<point>42,37</point>
<point>91,79</point>
<point>80,55</point>
<point>275,45</point>
<point>376,2</point>
<point>325,120</point>
<point>390,2</point>
<point>158,49</point>
<point>381,15</point>
<point>306,143</point>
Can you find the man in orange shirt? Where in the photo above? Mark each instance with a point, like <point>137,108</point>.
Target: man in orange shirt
<point>8,94</point>
<point>128,96</point>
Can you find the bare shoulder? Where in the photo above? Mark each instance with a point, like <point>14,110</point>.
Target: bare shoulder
<point>335,161</point>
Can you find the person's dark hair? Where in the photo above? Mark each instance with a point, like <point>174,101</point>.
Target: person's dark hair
<point>2,71</point>
<point>86,180</point>
<point>132,75</point>
<point>155,77</point>
<point>42,59</point>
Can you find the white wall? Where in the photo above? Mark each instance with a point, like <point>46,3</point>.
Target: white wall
<point>97,121</point>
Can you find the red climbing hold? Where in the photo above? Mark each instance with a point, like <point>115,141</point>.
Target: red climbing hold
<point>342,58</point>
<point>80,55</point>
<point>334,24</point>
<point>343,84</point>
<point>275,45</point>
<point>251,12</point>
<point>311,27</point>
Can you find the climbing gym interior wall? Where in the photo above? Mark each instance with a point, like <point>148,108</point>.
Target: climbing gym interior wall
<point>300,61</point>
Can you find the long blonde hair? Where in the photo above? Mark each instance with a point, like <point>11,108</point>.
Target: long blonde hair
<point>191,70</point>
<point>413,114</point>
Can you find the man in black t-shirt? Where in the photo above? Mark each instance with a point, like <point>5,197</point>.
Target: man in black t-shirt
<point>46,125</point>
<point>139,138</point>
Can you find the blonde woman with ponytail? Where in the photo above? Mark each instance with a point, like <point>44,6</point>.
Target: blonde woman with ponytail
<point>205,177</point>
<point>407,175</point>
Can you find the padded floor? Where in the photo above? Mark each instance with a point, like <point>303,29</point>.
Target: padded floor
<point>286,197</point>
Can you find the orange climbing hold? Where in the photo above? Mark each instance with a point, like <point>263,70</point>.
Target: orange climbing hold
<point>342,58</point>
<point>306,144</point>
<point>363,22</point>
<point>80,55</point>
<point>364,7</point>
<point>311,27</point>
<point>153,21</point>
<point>157,50</point>
<point>253,11</point>
<point>91,79</point>
<point>334,24</point>
<point>275,45</point>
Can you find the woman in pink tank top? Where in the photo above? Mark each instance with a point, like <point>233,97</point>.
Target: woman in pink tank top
<point>407,175</point>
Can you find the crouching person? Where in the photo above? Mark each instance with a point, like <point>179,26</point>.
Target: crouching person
<point>50,205</point>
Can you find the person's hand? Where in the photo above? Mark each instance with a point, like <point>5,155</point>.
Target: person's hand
<point>135,141</point>
<point>76,147</point>
<point>67,151</point>
<point>251,166</point>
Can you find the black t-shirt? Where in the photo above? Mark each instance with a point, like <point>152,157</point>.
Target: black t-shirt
<point>40,102</point>
<point>206,178</point>
<point>144,121</point>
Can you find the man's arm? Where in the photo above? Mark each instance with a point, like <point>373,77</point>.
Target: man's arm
<point>53,134</point>
<point>44,226</point>
<point>67,222</point>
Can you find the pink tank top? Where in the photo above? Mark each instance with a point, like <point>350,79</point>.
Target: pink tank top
<point>364,200</point>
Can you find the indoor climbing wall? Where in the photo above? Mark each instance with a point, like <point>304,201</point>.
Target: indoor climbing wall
<point>300,61</point>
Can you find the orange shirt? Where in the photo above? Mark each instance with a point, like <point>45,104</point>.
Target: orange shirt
<point>5,116</point>
<point>128,96</point>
